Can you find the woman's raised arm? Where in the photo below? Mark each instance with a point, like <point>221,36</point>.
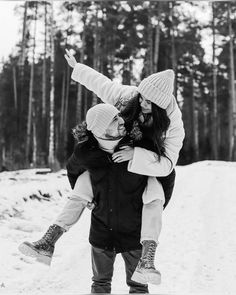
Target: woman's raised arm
<point>109,91</point>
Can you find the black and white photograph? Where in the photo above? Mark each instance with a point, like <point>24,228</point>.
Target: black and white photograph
<point>118,147</point>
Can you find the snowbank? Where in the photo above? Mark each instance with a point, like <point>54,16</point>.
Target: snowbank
<point>196,255</point>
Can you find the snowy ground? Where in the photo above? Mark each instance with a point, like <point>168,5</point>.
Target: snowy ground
<point>196,255</point>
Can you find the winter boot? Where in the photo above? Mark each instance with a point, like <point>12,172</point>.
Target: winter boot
<point>145,271</point>
<point>43,249</point>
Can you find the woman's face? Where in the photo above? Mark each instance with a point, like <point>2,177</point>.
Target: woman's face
<point>146,105</point>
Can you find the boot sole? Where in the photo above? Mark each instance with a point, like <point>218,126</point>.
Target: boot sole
<point>139,278</point>
<point>146,278</point>
<point>27,250</point>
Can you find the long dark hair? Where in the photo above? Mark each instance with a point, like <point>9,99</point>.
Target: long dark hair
<point>156,132</point>
<point>131,112</point>
<point>161,123</point>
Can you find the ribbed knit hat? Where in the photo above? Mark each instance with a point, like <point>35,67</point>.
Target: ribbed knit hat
<point>99,117</point>
<point>158,88</point>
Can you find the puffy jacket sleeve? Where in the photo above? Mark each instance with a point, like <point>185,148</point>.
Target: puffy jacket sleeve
<point>74,169</point>
<point>109,91</point>
<point>82,160</point>
<point>146,162</point>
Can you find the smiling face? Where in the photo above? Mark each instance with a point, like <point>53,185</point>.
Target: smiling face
<point>146,105</point>
<point>116,129</point>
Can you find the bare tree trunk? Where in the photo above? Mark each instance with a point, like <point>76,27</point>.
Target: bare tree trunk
<point>51,154</point>
<point>67,84</point>
<point>44,82</point>
<point>23,44</point>
<point>3,154</point>
<point>15,87</point>
<point>112,62</point>
<point>62,101</point>
<point>79,104</point>
<point>34,157</point>
<point>173,50</point>
<point>31,98</point>
<point>112,56</point>
<point>57,141</point>
<point>21,70</point>
<point>219,132</point>
<point>130,68</point>
<point>126,78</point>
<point>148,59</point>
<point>196,134</point>
<point>15,104</point>
<point>61,131</point>
<point>79,86</point>
<point>214,117</point>
<point>44,135</point>
<point>205,127</point>
<point>232,102</point>
<point>193,118</point>
<point>96,50</point>
<point>157,37</point>
<point>150,40</point>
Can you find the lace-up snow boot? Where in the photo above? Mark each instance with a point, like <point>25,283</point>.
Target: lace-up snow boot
<point>145,271</point>
<point>43,249</point>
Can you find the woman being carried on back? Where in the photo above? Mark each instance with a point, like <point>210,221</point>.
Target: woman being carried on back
<point>151,114</point>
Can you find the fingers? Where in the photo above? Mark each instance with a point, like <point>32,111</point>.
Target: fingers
<point>116,155</point>
<point>121,153</point>
<point>119,160</point>
<point>68,53</point>
<point>68,56</point>
<point>124,147</point>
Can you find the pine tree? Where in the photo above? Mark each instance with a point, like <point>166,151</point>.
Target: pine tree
<point>31,89</point>
<point>51,154</point>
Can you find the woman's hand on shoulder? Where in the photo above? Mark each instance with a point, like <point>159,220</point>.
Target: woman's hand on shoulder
<point>125,154</point>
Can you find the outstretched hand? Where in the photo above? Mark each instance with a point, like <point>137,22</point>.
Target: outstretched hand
<point>70,59</point>
<point>125,154</point>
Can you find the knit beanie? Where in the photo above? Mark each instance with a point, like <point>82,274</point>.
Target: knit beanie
<point>99,117</point>
<point>158,88</point>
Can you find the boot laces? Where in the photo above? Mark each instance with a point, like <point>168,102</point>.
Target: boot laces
<point>42,244</point>
<point>150,255</point>
<point>45,241</point>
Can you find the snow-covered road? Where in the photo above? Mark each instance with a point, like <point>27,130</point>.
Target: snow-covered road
<point>196,255</point>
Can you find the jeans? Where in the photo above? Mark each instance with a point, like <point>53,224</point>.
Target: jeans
<point>103,266</point>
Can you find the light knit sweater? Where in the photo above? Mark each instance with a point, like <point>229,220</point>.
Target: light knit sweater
<point>111,92</point>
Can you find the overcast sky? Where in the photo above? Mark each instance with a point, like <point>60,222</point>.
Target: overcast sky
<point>9,27</point>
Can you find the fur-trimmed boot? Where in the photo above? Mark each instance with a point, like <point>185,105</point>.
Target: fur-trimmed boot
<point>43,249</point>
<point>145,271</point>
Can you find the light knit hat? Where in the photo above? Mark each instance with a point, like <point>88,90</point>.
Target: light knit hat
<point>99,117</point>
<point>158,88</point>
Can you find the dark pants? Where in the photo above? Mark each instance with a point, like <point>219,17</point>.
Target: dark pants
<point>168,183</point>
<point>103,266</point>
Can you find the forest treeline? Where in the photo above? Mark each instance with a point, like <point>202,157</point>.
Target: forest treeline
<point>126,41</point>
